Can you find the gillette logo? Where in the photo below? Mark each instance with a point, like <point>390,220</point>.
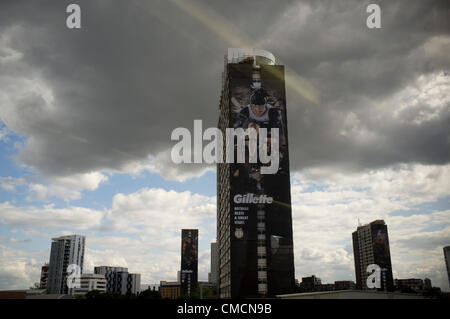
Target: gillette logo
<point>252,199</point>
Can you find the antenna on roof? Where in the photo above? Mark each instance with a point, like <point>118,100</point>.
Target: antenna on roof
<point>359,223</point>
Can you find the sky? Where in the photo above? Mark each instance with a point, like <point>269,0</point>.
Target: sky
<point>86,116</point>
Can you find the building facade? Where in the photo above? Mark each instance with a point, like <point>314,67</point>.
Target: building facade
<point>214,277</point>
<point>189,261</point>
<point>415,284</point>
<point>152,287</point>
<point>427,283</point>
<point>371,246</point>
<point>311,283</point>
<point>89,282</point>
<point>447,261</point>
<point>118,280</point>
<point>65,251</point>
<point>44,277</point>
<point>254,218</point>
<point>170,289</point>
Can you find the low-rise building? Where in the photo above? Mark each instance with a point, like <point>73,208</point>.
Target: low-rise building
<point>410,283</point>
<point>89,282</point>
<point>344,285</point>
<point>119,280</point>
<point>325,287</point>
<point>170,289</point>
<point>311,283</point>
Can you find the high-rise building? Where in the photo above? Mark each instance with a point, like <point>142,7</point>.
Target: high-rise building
<point>189,261</point>
<point>65,251</point>
<point>89,282</point>
<point>119,281</point>
<point>371,246</point>
<point>254,218</point>
<point>447,261</point>
<point>44,277</point>
<point>214,277</point>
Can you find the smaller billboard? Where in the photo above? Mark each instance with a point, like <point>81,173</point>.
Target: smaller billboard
<point>189,261</point>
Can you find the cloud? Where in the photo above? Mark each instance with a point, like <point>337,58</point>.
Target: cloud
<point>5,133</point>
<point>10,183</point>
<point>19,269</point>
<point>162,164</point>
<point>65,187</point>
<point>94,100</point>
<point>78,218</point>
<point>41,189</point>
<point>161,214</point>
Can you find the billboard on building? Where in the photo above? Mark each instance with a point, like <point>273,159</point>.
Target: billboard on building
<point>382,255</point>
<point>189,261</point>
<point>261,221</point>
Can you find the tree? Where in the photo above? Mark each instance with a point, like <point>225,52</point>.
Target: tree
<point>36,285</point>
<point>407,290</point>
<point>433,293</point>
<point>149,294</point>
<point>207,292</point>
<point>93,294</point>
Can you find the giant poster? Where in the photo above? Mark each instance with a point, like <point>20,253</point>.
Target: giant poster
<point>261,221</point>
<point>382,255</point>
<point>189,261</point>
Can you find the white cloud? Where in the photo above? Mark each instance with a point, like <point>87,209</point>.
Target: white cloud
<point>89,181</point>
<point>159,212</point>
<point>66,187</point>
<point>102,257</point>
<point>79,218</point>
<point>10,183</point>
<point>19,269</point>
<point>423,100</point>
<point>162,164</point>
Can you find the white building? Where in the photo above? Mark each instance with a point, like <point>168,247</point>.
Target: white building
<point>65,251</point>
<point>89,282</point>
<point>119,281</point>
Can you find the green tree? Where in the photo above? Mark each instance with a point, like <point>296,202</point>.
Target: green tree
<point>207,292</point>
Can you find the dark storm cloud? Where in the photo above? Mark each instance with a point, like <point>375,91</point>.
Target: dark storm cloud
<point>138,69</point>
<point>355,69</point>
